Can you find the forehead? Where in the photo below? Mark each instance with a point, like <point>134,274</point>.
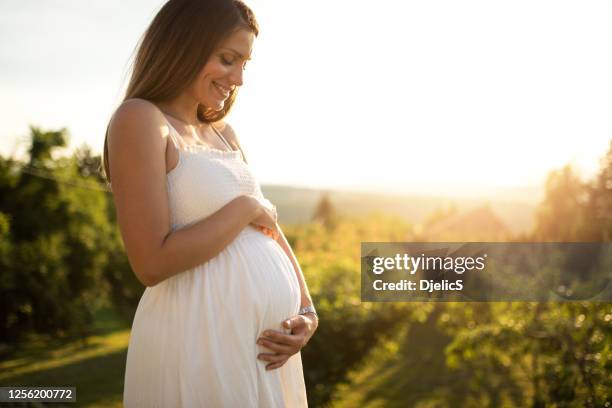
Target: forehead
<point>240,40</point>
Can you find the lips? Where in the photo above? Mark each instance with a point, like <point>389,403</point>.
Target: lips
<point>223,90</point>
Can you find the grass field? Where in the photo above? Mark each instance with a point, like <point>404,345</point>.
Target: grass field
<point>94,365</point>
<point>407,371</point>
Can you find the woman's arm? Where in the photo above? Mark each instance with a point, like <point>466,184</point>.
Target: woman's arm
<point>137,140</point>
<point>187,247</point>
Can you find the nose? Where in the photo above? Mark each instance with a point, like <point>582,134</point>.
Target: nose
<point>236,76</point>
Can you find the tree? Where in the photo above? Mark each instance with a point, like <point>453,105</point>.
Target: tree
<point>54,224</point>
<point>89,164</point>
<point>324,212</point>
<point>599,208</point>
<point>562,216</point>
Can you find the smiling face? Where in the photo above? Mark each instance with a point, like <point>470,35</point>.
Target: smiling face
<point>223,70</point>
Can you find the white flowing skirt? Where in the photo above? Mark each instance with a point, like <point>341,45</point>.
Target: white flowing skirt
<point>193,339</point>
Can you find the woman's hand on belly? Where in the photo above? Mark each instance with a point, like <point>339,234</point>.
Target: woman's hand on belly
<point>266,222</point>
<point>285,345</point>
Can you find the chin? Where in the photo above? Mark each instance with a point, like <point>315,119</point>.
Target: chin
<point>214,104</point>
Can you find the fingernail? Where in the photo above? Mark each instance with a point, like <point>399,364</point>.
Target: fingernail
<point>267,333</point>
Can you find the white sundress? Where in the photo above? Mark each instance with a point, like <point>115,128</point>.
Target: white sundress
<point>193,338</point>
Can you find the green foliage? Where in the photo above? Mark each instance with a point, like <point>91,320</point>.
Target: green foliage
<point>558,353</point>
<point>53,243</point>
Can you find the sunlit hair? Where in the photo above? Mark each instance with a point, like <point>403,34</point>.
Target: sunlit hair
<point>176,46</point>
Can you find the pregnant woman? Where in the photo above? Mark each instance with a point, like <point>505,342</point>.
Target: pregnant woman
<point>226,309</point>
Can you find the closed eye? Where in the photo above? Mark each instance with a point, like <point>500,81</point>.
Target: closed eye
<point>229,62</point>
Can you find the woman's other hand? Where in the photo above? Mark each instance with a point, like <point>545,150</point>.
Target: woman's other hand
<point>282,345</point>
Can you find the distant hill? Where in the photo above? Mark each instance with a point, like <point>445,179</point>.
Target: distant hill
<point>478,224</point>
<point>296,205</point>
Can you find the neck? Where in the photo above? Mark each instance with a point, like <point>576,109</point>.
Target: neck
<point>181,109</point>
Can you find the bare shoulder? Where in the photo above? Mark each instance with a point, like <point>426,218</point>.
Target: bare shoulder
<point>135,113</point>
<point>137,125</point>
<point>136,135</point>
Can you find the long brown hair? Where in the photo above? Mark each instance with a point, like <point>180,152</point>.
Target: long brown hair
<point>175,47</point>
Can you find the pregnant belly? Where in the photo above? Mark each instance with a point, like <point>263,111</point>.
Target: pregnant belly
<point>257,278</point>
<point>247,288</point>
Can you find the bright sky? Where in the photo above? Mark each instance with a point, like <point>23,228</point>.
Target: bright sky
<point>409,96</point>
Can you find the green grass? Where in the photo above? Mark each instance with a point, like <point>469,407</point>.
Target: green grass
<point>410,371</point>
<point>95,365</point>
<point>407,371</point>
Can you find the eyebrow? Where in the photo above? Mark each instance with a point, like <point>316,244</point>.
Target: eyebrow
<point>237,53</point>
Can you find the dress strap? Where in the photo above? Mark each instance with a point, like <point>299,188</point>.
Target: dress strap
<point>227,144</point>
<point>222,138</point>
